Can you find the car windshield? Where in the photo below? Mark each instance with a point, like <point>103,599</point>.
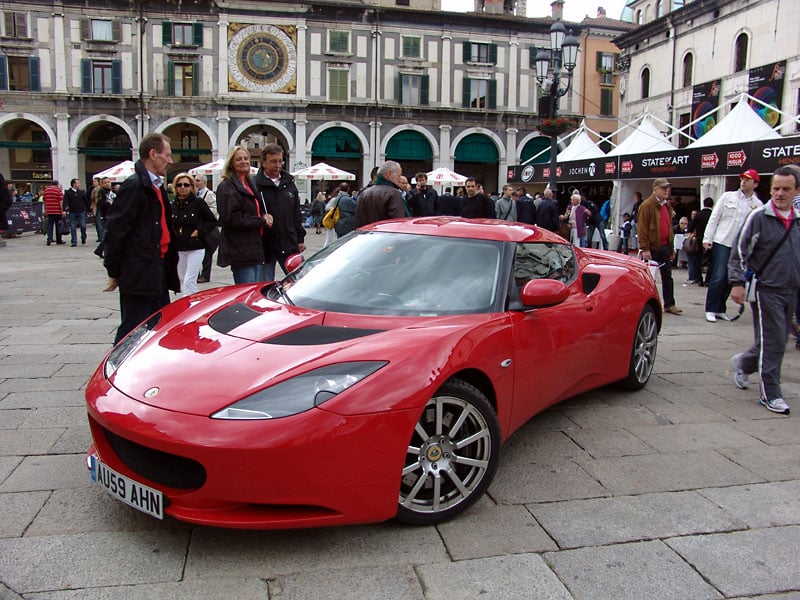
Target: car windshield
<point>399,274</point>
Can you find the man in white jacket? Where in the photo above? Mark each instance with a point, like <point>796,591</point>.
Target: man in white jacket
<point>725,222</point>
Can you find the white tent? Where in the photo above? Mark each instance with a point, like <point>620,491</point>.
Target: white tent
<point>444,176</point>
<point>581,147</point>
<point>214,168</point>
<point>117,173</point>
<point>323,172</point>
<point>742,124</point>
<point>645,138</point>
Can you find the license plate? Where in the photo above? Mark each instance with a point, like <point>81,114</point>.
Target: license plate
<point>132,493</point>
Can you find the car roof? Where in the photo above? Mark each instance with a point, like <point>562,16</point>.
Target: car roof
<point>481,229</point>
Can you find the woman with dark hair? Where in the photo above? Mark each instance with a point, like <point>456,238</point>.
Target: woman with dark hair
<point>244,220</point>
<point>192,221</point>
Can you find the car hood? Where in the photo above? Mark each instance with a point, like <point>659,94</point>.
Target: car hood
<point>198,366</point>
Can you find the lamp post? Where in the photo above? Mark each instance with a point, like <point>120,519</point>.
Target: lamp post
<point>562,54</point>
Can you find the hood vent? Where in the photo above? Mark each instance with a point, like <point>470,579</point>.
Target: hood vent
<point>314,335</point>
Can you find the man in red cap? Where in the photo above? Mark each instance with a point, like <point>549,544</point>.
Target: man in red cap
<point>725,222</point>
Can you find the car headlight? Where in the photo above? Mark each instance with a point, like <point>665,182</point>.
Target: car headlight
<point>300,393</point>
<point>133,340</point>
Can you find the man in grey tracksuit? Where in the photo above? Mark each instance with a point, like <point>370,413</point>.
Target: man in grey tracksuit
<point>778,275</point>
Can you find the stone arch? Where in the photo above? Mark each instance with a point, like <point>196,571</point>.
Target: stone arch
<point>240,130</point>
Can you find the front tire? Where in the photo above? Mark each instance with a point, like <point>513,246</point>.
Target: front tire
<point>643,352</point>
<point>452,455</point>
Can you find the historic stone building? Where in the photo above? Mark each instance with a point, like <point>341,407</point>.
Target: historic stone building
<point>349,83</point>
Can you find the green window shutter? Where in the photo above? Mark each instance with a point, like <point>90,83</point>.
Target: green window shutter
<point>3,73</point>
<point>86,28</point>
<point>33,74</point>
<point>170,78</point>
<point>116,76</point>
<point>606,102</point>
<point>197,34</point>
<point>599,60</point>
<point>116,30</point>
<point>493,54</point>
<point>424,90</point>
<point>86,76</point>
<point>616,60</point>
<point>195,79</point>
<point>465,92</point>
<point>166,33</point>
<point>492,94</point>
<point>467,48</point>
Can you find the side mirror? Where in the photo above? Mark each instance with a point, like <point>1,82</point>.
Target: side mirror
<point>543,292</point>
<point>294,262</point>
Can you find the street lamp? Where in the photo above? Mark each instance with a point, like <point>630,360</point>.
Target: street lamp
<point>563,53</point>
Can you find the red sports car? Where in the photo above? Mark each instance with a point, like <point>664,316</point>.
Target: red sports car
<point>378,380</point>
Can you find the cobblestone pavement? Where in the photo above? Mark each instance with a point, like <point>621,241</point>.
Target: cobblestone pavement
<point>686,490</point>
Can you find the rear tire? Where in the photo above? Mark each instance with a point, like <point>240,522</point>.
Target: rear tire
<point>452,455</point>
<point>643,352</point>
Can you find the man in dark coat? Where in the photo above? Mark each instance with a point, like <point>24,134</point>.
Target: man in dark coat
<point>382,200</point>
<point>423,200</point>
<point>76,205</point>
<point>140,255</point>
<point>476,205</point>
<point>547,213</point>
<point>449,204</point>
<point>280,196</point>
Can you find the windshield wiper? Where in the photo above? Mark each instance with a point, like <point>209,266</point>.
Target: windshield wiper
<point>282,293</point>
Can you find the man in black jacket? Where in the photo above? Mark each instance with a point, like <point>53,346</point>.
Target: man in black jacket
<point>547,213</point>
<point>277,190</point>
<point>140,255</point>
<point>76,205</point>
<point>477,205</point>
<point>423,200</point>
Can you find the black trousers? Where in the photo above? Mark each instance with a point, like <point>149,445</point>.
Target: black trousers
<point>663,257</point>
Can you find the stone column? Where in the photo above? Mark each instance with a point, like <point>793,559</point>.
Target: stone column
<point>65,165</point>
<point>445,155</point>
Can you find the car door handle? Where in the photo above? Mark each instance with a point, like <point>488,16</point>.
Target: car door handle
<point>588,304</point>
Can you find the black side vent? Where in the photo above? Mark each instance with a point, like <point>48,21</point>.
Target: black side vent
<point>230,318</point>
<point>319,334</point>
<point>590,281</point>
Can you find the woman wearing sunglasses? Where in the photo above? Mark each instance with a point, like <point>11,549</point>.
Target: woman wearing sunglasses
<point>192,220</point>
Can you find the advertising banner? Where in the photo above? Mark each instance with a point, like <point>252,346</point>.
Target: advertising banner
<point>766,84</point>
<point>705,98</point>
<point>25,216</point>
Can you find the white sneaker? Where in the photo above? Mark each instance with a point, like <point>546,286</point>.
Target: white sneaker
<point>723,317</point>
<point>711,317</point>
<point>740,378</point>
<point>777,405</point>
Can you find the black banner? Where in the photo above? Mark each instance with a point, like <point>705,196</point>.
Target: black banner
<point>705,99</point>
<point>25,216</point>
<point>766,84</point>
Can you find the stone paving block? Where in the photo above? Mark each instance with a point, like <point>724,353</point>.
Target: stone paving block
<point>267,554</point>
<point>695,380</point>
<point>636,571</point>
<point>25,359</point>
<point>498,578</point>
<point>539,446</point>
<point>602,521</point>
<point>47,473</point>
<point>789,596</point>
<point>63,416</point>
<point>211,589</point>
<point>375,583</point>
<point>19,509</point>
<point>760,561</point>
<point>13,418</point>
<point>738,405</point>
<point>692,437</point>
<point>608,417</point>
<point>666,472</point>
<point>24,442</point>
<point>74,440</point>
<point>679,411</point>
<point>28,371</point>
<point>42,384</point>
<point>42,564</point>
<point>7,465</point>
<point>550,420</point>
<point>772,429</point>
<point>600,442</point>
<point>760,505</point>
<point>774,463</point>
<point>489,529</point>
<point>89,508</point>
<point>7,594</point>
<point>543,482</point>
<point>42,399</point>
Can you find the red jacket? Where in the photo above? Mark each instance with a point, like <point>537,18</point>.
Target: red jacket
<point>53,199</point>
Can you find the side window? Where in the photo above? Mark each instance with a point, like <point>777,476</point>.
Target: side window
<point>544,260</point>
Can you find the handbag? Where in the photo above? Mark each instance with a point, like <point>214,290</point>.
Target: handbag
<point>64,227</point>
<point>331,217</point>
<point>691,245</point>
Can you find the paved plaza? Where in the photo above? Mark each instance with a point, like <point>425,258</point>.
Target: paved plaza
<point>685,490</point>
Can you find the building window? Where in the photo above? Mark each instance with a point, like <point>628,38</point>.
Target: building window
<point>101,30</point>
<point>683,121</point>
<point>646,83</point>
<point>15,24</point>
<point>412,47</point>
<point>339,42</point>
<point>101,76</point>
<point>639,17</point>
<point>688,67</point>
<point>182,79</point>
<point>480,53</point>
<point>605,66</point>
<point>606,102</point>
<point>338,85</point>
<point>659,9</point>
<point>480,93</point>
<point>189,141</point>
<point>413,89</point>
<point>19,73</point>
<point>740,53</point>
<point>181,34</point>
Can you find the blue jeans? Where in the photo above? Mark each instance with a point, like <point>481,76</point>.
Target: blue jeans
<point>250,273</point>
<point>718,287</point>
<point>99,227</point>
<point>75,220</point>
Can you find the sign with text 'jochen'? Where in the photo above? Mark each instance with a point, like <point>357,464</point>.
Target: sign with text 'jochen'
<point>764,156</point>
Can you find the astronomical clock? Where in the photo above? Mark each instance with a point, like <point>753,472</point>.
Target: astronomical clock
<point>262,58</point>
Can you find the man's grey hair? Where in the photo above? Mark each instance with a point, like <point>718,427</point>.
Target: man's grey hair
<point>389,166</point>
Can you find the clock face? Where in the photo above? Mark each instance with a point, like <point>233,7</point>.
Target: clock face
<point>262,58</point>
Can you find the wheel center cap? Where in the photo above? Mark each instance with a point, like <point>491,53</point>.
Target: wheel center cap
<point>434,453</point>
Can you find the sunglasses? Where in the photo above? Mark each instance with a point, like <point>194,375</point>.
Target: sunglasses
<point>183,185</point>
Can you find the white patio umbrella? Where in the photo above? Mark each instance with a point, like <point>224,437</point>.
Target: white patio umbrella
<point>323,172</point>
<point>444,176</point>
<point>118,172</point>
<point>214,168</point>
